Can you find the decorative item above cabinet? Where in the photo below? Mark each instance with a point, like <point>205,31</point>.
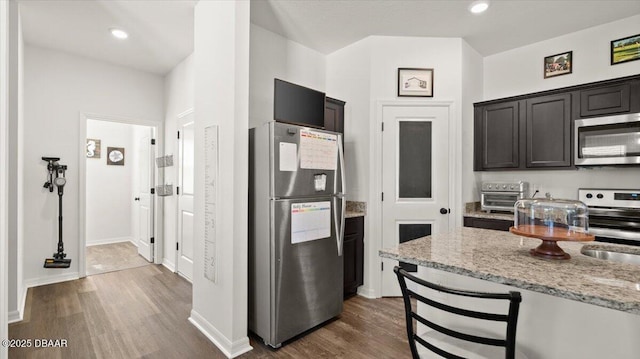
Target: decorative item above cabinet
<point>534,131</point>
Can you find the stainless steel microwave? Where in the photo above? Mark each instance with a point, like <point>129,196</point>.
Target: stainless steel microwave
<point>610,140</point>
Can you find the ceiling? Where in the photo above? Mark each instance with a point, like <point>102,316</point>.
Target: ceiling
<point>161,31</point>
<point>327,26</point>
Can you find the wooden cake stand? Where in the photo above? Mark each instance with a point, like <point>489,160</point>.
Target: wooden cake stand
<point>549,248</point>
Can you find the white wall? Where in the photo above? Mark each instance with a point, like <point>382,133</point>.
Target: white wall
<point>4,170</point>
<point>15,143</point>
<point>519,71</point>
<point>273,56</point>
<point>110,188</point>
<point>178,98</point>
<point>472,82</point>
<point>364,73</point>
<point>221,61</point>
<point>58,88</point>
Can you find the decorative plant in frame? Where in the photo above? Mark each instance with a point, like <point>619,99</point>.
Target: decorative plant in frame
<point>115,156</point>
<point>93,148</point>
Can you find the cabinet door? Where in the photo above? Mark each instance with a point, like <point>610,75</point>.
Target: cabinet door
<point>334,115</point>
<point>497,135</point>
<point>605,100</point>
<point>548,131</point>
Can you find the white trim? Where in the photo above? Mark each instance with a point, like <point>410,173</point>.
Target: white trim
<point>374,208</point>
<point>100,242</point>
<point>158,223</point>
<point>177,172</point>
<point>36,282</point>
<point>18,315</point>
<point>170,266</point>
<point>4,101</point>
<point>366,292</point>
<point>228,348</point>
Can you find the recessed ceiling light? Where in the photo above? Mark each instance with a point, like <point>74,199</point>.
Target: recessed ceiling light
<point>479,6</point>
<point>118,33</point>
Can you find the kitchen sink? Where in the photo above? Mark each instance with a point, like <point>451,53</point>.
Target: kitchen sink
<point>612,255</point>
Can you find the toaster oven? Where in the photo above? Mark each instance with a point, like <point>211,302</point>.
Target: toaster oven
<point>501,196</point>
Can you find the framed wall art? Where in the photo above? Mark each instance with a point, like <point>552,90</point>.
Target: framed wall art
<point>115,156</point>
<point>625,49</point>
<point>415,82</point>
<point>93,148</point>
<point>559,64</point>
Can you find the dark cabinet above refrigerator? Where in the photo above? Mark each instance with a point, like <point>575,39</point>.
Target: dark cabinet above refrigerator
<point>299,105</point>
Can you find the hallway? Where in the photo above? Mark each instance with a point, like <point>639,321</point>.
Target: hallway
<point>142,313</point>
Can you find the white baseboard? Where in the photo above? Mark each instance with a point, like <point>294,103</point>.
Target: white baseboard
<point>111,240</point>
<point>18,315</point>
<point>36,282</point>
<point>14,316</point>
<point>228,348</point>
<point>170,266</point>
<point>367,293</point>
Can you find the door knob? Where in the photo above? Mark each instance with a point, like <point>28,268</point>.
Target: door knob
<point>136,199</point>
<point>444,210</point>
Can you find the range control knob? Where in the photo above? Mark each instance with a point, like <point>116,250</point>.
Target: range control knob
<point>512,187</point>
<point>489,186</point>
<point>599,195</point>
<point>589,195</point>
<point>504,186</point>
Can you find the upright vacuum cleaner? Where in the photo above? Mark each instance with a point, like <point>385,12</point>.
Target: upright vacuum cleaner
<point>57,178</point>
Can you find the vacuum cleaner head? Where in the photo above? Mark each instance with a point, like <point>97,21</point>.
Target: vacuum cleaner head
<point>57,263</point>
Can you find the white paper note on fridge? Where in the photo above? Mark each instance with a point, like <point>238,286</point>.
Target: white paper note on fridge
<point>310,221</point>
<point>288,157</point>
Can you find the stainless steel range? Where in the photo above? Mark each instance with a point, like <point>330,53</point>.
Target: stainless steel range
<point>501,196</point>
<point>614,214</point>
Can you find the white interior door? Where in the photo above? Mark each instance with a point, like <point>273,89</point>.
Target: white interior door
<point>415,179</point>
<point>185,197</point>
<point>145,210</point>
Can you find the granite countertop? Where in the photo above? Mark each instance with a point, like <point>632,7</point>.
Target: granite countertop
<point>502,257</point>
<point>483,214</point>
<point>355,209</point>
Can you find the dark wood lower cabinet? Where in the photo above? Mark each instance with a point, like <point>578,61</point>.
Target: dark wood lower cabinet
<point>353,255</point>
<point>487,223</point>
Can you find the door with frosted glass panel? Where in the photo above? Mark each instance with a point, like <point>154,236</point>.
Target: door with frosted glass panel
<point>415,179</point>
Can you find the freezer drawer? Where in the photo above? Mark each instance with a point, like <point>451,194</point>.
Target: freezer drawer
<point>307,276</point>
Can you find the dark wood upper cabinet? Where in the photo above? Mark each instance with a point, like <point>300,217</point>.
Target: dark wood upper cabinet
<point>534,131</point>
<point>548,129</point>
<point>498,128</point>
<point>334,115</point>
<point>605,100</point>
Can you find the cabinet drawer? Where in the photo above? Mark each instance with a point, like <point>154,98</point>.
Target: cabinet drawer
<point>487,223</point>
<point>605,100</point>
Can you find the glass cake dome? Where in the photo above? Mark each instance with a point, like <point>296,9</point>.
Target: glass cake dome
<point>551,220</point>
<point>570,216</point>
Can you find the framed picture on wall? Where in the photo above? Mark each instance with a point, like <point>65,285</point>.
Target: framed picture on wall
<point>115,156</point>
<point>93,148</point>
<point>415,82</point>
<point>625,49</point>
<point>559,64</point>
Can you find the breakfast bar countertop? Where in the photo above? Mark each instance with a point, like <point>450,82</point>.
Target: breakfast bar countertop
<point>502,257</point>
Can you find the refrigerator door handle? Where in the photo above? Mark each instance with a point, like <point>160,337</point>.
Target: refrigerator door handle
<point>335,225</point>
<point>343,190</point>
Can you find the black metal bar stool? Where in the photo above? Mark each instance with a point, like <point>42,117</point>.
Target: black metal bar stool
<point>440,339</point>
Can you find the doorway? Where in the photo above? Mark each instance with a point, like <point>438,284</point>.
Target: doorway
<point>415,179</point>
<point>118,195</point>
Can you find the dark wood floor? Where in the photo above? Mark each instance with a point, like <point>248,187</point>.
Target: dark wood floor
<point>142,313</point>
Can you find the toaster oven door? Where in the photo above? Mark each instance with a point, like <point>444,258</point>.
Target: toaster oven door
<point>499,201</point>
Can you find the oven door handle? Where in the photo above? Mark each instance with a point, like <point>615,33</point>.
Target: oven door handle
<point>614,212</point>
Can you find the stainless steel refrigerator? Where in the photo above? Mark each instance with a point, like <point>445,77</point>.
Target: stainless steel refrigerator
<point>296,229</point>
